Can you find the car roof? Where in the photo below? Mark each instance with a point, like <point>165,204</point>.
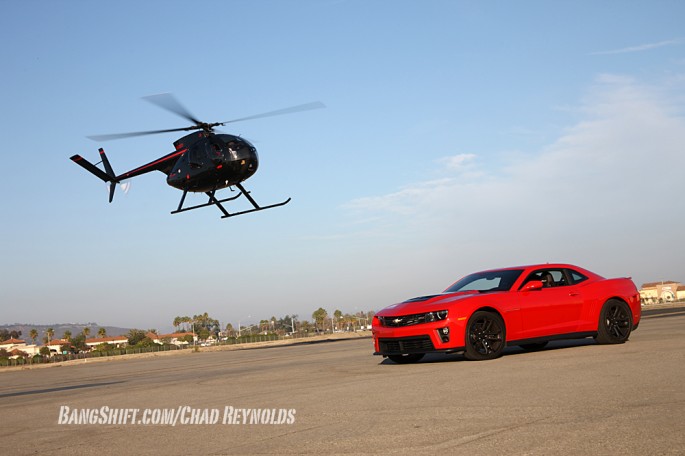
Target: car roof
<point>546,266</point>
<point>536,266</point>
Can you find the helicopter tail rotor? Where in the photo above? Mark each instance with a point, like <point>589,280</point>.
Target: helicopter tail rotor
<point>125,186</point>
<point>107,175</point>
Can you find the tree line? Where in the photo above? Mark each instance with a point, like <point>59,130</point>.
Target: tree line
<point>73,342</point>
<point>49,334</point>
<point>203,326</point>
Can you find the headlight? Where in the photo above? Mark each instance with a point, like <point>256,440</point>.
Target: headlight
<point>435,316</point>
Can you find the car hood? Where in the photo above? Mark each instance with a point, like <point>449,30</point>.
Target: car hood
<point>428,303</point>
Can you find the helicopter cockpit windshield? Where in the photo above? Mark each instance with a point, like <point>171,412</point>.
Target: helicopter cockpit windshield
<point>233,148</point>
<point>237,147</point>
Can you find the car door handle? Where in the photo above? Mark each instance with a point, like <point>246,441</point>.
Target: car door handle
<point>573,293</point>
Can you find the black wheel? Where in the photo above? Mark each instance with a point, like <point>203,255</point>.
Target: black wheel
<point>534,347</point>
<point>406,359</point>
<point>485,336</point>
<point>615,323</point>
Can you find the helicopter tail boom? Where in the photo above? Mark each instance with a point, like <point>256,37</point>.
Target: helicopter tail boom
<point>107,175</point>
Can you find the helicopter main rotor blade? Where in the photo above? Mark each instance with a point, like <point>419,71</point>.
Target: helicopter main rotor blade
<point>298,108</point>
<point>136,133</point>
<point>170,103</point>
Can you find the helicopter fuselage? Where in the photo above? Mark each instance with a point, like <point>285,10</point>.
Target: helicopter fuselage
<point>211,161</point>
<point>202,161</point>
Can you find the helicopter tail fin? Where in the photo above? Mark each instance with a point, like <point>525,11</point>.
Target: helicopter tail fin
<point>107,175</point>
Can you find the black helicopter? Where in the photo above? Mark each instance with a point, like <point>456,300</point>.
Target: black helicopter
<point>203,161</point>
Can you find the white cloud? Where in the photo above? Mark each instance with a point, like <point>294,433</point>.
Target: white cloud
<point>640,48</point>
<point>457,162</point>
<point>405,201</point>
<point>607,194</point>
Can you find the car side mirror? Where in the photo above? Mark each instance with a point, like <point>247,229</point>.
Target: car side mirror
<point>533,285</point>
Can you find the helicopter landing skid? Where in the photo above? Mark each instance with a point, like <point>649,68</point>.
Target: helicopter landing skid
<point>215,202</point>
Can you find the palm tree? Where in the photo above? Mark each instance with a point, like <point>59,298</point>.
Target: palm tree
<point>337,315</point>
<point>319,317</point>
<point>102,332</point>
<point>177,323</point>
<point>49,333</point>
<point>67,335</point>
<point>263,326</point>
<point>33,334</point>
<point>86,332</point>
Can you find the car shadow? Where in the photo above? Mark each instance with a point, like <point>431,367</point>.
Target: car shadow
<point>431,358</point>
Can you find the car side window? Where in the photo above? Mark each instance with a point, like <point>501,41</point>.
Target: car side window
<point>576,277</point>
<point>549,277</point>
<point>559,278</point>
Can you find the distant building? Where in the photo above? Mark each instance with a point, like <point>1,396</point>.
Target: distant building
<point>11,342</point>
<point>666,291</point>
<point>15,346</point>
<point>173,338</point>
<point>55,345</point>
<point>116,341</point>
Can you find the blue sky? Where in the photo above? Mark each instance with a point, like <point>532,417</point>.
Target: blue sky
<point>457,136</point>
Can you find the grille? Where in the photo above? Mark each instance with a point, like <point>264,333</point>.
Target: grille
<point>419,344</point>
<point>406,320</point>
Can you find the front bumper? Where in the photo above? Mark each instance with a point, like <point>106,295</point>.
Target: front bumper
<point>420,338</point>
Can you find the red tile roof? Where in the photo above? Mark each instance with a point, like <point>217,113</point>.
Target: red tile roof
<point>59,342</point>
<point>174,335</point>
<point>12,342</point>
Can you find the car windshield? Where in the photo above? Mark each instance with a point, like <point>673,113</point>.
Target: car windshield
<point>487,281</point>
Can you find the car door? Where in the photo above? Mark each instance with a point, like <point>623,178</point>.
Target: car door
<point>553,309</point>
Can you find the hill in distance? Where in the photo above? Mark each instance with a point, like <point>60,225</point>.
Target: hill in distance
<point>60,328</point>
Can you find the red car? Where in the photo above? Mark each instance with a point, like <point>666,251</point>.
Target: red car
<point>527,306</point>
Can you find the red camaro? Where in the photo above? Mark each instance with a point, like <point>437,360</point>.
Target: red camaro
<point>526,306</point>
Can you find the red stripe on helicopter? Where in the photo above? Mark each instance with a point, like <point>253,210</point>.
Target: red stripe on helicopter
<point>161,160</point>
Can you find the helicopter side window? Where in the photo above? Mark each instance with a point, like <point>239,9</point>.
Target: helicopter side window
<point>211,149</point>
<point>215,150</point>
<point>197,155</point>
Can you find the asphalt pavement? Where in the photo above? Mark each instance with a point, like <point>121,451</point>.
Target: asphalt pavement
<point>575,397</point>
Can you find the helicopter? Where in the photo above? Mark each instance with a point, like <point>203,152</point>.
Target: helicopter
<point>203,161</point>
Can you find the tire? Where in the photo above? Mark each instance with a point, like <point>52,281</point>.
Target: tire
<point>615,323</point>
<point>533,347</point>
<point>485,336</point>
<point>406,359</point>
